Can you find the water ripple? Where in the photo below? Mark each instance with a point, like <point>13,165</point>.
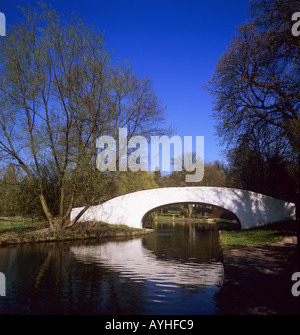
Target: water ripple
<point>134,261</point>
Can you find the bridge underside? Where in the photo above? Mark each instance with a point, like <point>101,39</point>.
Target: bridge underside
<point>199,211</point>
<point>252,209</point>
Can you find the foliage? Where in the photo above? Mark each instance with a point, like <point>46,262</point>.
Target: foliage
<point>131,181</point>
<point>213,176</point>
<point>252,170</point>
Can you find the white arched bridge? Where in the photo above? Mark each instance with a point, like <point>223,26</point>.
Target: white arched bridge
<point>252,209</point>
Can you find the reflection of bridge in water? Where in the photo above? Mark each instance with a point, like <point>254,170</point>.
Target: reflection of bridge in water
<point>252,209</point>
<point>138,263</point>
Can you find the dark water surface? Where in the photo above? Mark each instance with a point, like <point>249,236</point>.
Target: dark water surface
<point>174,270</point>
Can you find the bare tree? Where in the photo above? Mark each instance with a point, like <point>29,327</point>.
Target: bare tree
<point>256,81</point>
<point>59,91</point>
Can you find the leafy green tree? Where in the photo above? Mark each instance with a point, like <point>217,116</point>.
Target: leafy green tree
<point>213,176</point>
<point>9,191</point>
<point>159,179</point>
<point>135,181</point>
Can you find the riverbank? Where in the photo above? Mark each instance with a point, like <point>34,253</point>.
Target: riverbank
<point>257,278</point>
<point>24,233</point>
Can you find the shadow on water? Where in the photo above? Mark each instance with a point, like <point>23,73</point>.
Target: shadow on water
<point>175,270</point>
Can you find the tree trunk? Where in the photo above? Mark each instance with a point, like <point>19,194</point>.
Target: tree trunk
<point>190,207</point>
<point>78,216</point>
<point>47,212</point>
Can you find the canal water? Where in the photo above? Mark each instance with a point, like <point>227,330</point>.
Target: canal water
<point>174,270</point>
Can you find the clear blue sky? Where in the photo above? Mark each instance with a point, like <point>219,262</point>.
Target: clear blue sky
<point>176,43</point>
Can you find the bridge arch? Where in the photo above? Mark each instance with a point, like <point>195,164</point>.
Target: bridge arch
<point>252,209</point>
<point>204,206</point>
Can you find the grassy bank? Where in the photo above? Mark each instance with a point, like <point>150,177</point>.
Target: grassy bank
<point>20,232</point>
<point>257,236</point>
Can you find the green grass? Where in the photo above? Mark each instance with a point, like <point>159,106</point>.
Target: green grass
<point>17,226</point>
<point>251,238</point>
<point>257,236</point>
<point>27,232</point>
